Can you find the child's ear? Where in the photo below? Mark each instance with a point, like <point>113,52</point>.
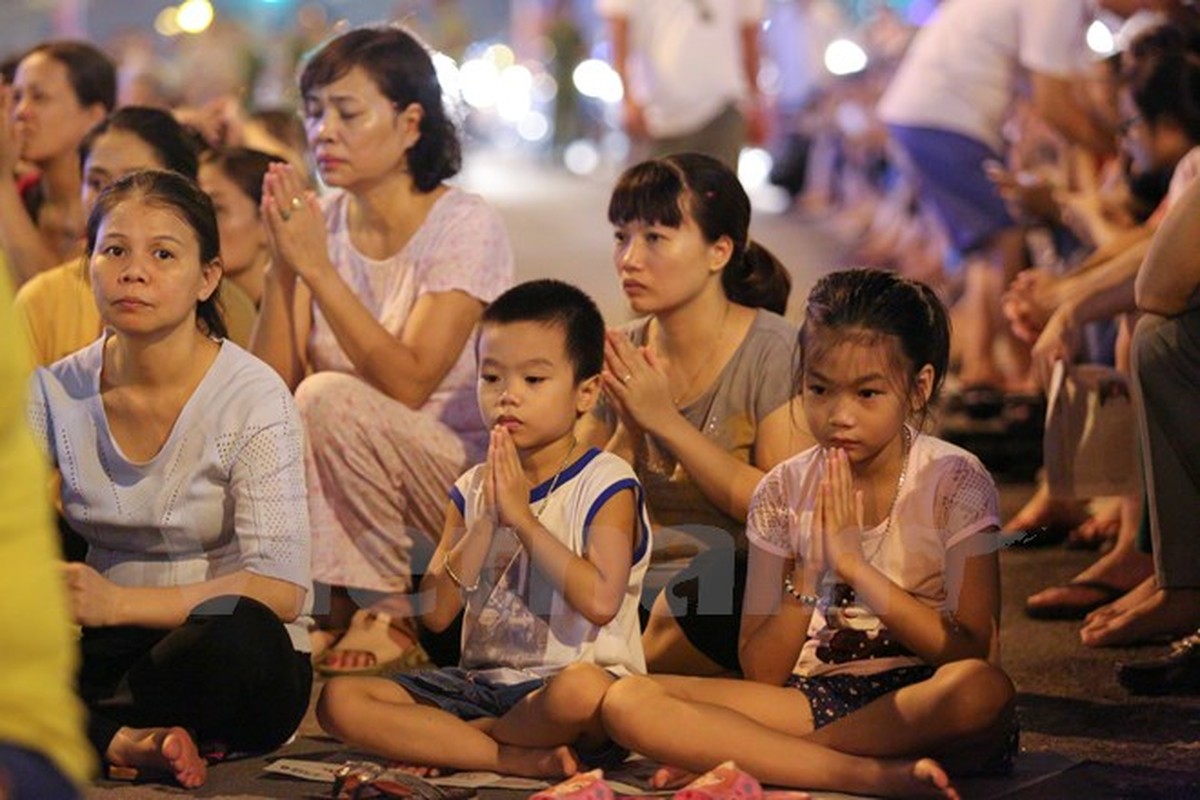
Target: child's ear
<point>587,392</point>
<point>923,387</point>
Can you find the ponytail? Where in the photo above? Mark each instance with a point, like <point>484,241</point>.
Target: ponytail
<point>757,279</point>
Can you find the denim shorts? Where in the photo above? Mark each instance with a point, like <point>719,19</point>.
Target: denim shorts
<point>458,692</point>
<point>951,179</point>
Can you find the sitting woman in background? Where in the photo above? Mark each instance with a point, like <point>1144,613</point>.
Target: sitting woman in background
<point>60,90</point>
<point>367,312</point>
<point>57,306</point>
<point>233,178</point>
<point>699,395</point>
<point>181,464</point>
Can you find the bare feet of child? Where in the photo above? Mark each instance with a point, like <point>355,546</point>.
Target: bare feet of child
<point>927,779</point>
<point>537,762</point>
<point>668,777</point>
<point>169,750</point>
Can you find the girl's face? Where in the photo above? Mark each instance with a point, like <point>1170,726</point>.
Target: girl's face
<point>356,134</point>
<point>857,399</point>
<point>662,268</point>
<point>146,271</point>
<point>114,155</point>
<point>243,240</point>
<point>47,111</point>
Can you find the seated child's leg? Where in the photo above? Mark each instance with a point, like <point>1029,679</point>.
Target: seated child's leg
<point>379,715</point>
<point>641,714</point>
<point>964,712</point>
<point>566,711</point>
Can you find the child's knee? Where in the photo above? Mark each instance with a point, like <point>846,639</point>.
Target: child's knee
<point>622,706</point>
<point>978,693</point>
<point>574,694</point>
<point>340,703</point>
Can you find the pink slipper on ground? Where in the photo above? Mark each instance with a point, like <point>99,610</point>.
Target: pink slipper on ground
<point>727,782</point>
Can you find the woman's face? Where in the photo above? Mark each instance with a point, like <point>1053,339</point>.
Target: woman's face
<point>662,268</point>
<point>146,272</point>
<point>1151,146</point>
<point>114,155</point>
<point>47,112</point>
<point>243,240</point>
<point>355,133</point>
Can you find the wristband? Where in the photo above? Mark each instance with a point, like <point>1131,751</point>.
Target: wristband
<point>804,599</point>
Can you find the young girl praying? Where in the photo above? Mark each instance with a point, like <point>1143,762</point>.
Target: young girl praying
<point>870,625</point>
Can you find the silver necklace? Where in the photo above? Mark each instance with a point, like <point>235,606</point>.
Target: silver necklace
<point>906,448</point>
<point>554,482</point>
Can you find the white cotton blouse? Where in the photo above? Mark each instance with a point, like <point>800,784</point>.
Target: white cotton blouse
<point>225,493</point>
<point>947,499</point>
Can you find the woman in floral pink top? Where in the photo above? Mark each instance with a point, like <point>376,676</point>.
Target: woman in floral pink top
<point>367,313</point>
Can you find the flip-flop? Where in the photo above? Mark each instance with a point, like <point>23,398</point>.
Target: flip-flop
<point>368,633</point>
<point>1106,591</point>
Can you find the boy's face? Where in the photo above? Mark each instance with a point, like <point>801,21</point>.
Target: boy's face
<point>527,382</point>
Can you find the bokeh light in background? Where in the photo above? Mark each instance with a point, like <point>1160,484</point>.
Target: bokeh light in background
<point>1101,39</point>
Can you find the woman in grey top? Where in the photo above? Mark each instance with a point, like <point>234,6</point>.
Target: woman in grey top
<point>698,390</point>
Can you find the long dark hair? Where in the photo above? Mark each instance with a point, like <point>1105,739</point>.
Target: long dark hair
<point>183,197</point>
<point>403,70</point>
<point>657,192</point>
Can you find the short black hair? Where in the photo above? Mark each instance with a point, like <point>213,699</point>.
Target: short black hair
<point>552,302</point>
<point>172,146</point>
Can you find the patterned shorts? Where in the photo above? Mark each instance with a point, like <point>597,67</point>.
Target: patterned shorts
<point>834,696</point>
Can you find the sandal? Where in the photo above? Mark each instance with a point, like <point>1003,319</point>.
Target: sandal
<point>368,633</point>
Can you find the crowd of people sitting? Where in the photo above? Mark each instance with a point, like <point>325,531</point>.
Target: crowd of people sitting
<point>312,412</point>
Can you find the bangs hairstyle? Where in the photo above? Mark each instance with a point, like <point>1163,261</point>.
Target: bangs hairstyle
<point>658,192</point>
<point>869,306</point>
<point>182,197</point>
<point>402,69</point>
<point>561,305</point>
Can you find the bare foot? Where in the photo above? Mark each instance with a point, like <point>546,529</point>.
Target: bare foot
<point>1122,568</point>
<point>668,777</point>
<point>168,750</point>
<point>1042,510</point>
<point>537,762</point>
<point>924,778</point>
<point>371,641</point>
<point>1167,613</point>
<point>1127,602</point>
<point>1103,525</point>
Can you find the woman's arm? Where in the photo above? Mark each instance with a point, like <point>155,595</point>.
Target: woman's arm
<point>727,482</point>
<point>28,253</point>
<point>1169,280</point>
<point>280,335</point>
<point>407,367</point>
<point>98,602</point>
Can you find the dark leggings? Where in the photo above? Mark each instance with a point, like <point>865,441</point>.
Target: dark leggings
<point>229,675</point>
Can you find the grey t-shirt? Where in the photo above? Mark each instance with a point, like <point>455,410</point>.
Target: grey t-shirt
<point>756,381</point>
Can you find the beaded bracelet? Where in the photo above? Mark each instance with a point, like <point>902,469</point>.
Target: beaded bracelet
<point>457,580</point>
<point>804,599</point>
